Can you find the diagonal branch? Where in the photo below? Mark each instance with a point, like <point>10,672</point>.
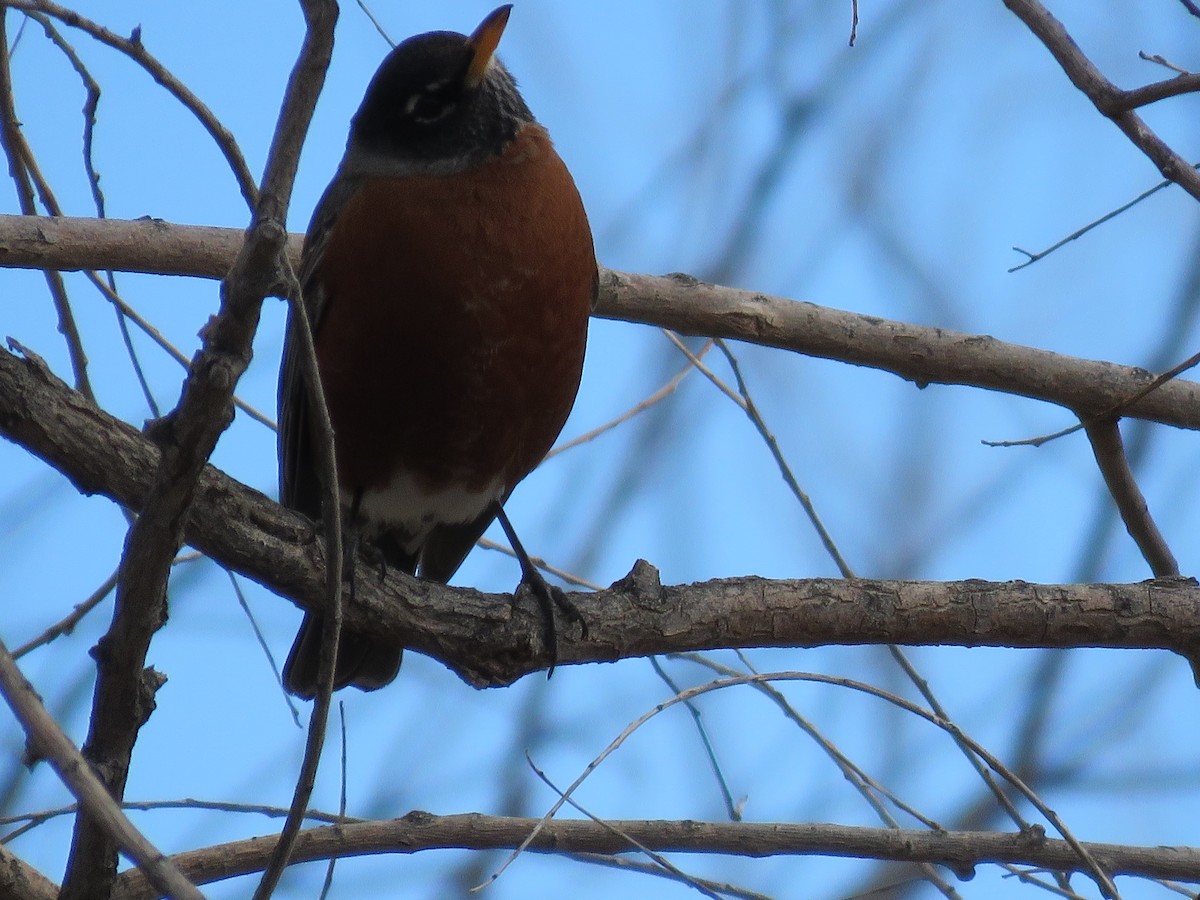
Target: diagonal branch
<point>918,353</point>
<point>48,740</point>
<point>133,48</point>
<point>185,439</point>
<point>1110,100</point>
<point>488,641</point>
<point>1113,462</point>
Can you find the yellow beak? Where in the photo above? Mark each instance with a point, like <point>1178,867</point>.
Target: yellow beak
<point>483,42</point>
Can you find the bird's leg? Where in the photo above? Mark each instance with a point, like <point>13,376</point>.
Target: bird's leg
<point>548,596</point>
<point>350,539</point>
<point>352,532</point>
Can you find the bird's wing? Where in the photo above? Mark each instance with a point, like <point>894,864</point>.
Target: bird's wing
<point>299,482</point>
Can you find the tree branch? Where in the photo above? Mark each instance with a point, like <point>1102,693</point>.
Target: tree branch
<point>1109,449</point>
<point>488,641</point>
<point>1110,100</point>
<point>186,437</point>
<point>47,740</point>
<point>917,353</point>
<point>21,881</point>
<point>960,851</point>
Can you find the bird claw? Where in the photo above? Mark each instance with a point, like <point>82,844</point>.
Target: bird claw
<point>548,597</point>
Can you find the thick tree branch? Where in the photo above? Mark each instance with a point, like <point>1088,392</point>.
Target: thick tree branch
<point>959,851</point>
<point>489,641</point>
<point>21,881</point>
<point>917,353</point>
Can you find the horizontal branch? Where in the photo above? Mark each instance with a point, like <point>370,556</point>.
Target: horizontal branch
<point>917,353</point>
<point>958,850</point>
<point>489,640</point>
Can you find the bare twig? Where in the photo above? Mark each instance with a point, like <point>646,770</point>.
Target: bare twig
<point>733,808</point>
<point>136,51</point>
<point>263,645</point>
<point>90,106</point>
<point>1115,412</point>
<point>785,470</point>
<point>32,820</point>
<point>623,864</point>
<point>657,858</point>
<point>1075,235</point>
<point>1088,861</point>
<point>67,624</point>
<point>125,312</point>
<point>23,169</point>
<point>568,577</point>
<point>1162,61</point>
<point>657,397</point>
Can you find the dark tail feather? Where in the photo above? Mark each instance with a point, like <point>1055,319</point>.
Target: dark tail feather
<point>363,660</point>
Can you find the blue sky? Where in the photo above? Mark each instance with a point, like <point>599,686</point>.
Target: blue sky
<point>943,138</point>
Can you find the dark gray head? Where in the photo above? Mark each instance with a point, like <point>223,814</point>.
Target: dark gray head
<point>440,102</point>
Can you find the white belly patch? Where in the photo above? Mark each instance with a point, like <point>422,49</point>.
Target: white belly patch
<point>414,510</point>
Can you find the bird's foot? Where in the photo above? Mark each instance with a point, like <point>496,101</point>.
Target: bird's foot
<point>548,597</point>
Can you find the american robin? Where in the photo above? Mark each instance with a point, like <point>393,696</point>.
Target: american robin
<point>448,275</point>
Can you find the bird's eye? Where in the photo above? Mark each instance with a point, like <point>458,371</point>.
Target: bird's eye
<point>433,102</point>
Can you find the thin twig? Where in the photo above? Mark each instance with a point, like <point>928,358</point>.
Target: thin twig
<point>1075,235</point>
<point>127,312</point>
<point>328,885</point>
<point>641,867</point>
<point>136,51</point>
<point>658,396</point>
<point>657,858</point>
<point>32,820</point>
<point>785,470</point>
<point>67,624</point>
<point>866,786</point>
<point>1090,865</point>
<point>25,174</point>
<point>374,21</point>
<point>568,577</point>
<point>1162,61</point>
<point>262,643</point>
<point>1112,413</point>
<point>732,808</point>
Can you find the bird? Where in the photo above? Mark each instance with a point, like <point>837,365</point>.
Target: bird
<point>447,275</point>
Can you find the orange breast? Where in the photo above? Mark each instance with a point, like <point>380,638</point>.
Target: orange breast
<point>452,340</point>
